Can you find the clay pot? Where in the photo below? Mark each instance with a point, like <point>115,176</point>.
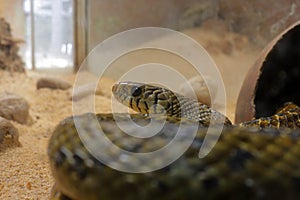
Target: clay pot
<point>274,79</point>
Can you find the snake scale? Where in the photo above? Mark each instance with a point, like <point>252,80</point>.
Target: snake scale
<point>259,159</point>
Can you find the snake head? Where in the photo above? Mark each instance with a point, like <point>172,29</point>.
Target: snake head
<point>142,97</point>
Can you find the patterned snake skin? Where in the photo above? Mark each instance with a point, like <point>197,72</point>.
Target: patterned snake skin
<point>252,160</point>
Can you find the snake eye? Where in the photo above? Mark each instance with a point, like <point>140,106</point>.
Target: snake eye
<point>136,91</point>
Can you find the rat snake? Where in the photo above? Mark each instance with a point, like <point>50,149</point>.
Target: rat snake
<point>259,159</point>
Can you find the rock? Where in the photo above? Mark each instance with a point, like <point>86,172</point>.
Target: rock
<point>52,83</point>
<point>103,88</point>
<point>83,91</point>
<point>7,129</point>
<point>200,89</point>
<point>9,57</point>
<point>14,107</point>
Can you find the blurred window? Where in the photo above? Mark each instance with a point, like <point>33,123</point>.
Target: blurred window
<point>52,33</point>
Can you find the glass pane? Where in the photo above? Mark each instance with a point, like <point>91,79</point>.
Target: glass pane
<point>234,33</point>
<point>53,25</point>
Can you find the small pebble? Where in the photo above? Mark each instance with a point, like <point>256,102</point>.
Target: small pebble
<point>14,107</point>
<point>53,83</point>
<point>83,91</point>
<point>28,185</point>
<point>7,129</point>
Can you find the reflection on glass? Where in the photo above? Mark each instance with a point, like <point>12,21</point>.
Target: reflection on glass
<point>53,33</point>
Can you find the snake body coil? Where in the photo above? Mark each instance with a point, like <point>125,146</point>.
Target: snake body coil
<point>246,162</point>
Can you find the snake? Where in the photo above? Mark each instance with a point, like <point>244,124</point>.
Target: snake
<point>257,159</point>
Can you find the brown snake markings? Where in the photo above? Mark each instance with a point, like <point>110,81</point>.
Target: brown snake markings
<point>250,161</point>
